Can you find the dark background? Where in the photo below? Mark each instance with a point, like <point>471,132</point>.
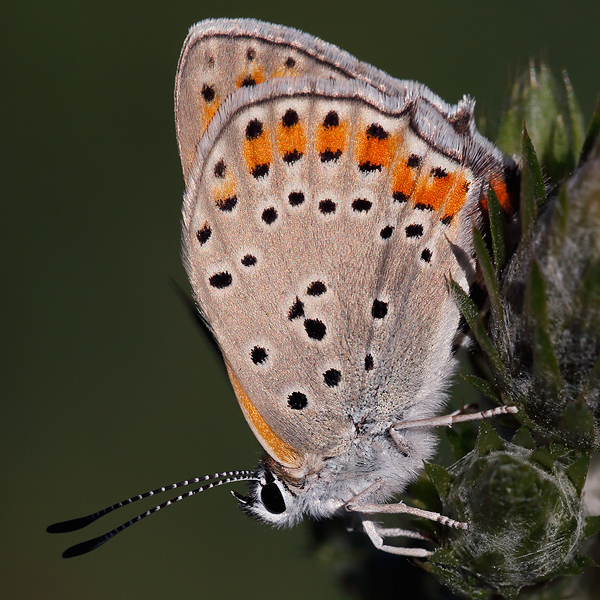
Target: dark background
<point>108,389</point>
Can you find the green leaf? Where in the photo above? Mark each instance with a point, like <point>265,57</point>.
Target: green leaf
<point>469,311</point>
<point>562,151</point>
<point>560,220</point>
<point>592,383</point>
<point>443,556</point>
<point>455,582</point>
<point>583,562</point>
<point>536,296</point>
<point>488,440</point>
<point>578,425</point>
<point>510,592</point>
<point>440,478</point>
<point>523,438</point>
<point>541,107</point>
<point>553,118</point>
<point>543,457</point>
<point>444,566</point>
<point>533,190</point>
<point>536,101</point>
<point>558,450</point>
<point>576,566</point>
<point>592,135</point>
<point>461,442</point>
<point>589,288</point>
<point>545,363</point>
<point>489,277</point>
<point>497,228</point>
<point>577,472</point>
<point>575,115</point>
<point>485,387</point>
<point>592,526</point>
<point>511,127</point>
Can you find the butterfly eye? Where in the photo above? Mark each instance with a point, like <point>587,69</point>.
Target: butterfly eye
<point>272,498</point>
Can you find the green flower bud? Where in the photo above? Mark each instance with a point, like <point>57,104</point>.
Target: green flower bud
<point>524,513</point>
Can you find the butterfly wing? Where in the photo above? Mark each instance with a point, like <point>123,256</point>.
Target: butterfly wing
<point>321,221</point>
<point>222,55</point>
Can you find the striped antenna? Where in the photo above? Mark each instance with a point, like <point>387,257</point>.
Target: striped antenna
<point>89,545</point>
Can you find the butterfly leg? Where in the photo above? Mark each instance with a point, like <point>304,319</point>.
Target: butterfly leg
<point>355,505</point>
<point>398,532</point>
<point>455,417</point>
<point>377,534</point>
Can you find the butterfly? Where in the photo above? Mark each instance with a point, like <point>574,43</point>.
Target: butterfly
<point>327,205</point>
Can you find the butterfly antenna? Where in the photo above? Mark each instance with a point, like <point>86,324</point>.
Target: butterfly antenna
<point>89,545</point>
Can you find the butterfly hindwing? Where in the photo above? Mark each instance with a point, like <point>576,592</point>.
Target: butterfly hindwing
<point>316,233</point>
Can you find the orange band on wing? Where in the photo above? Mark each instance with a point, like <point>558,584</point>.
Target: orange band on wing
<point>499,187</point>
<point>433,188</point>
<point>333,139</point>
<point>258,152</point>
<point>208,112</point>
<point>456,198</point>
<point>224,194</point>
<point>373,153</point>
<point>291,141</point>
<point>250,77</point>
<point>277,448</point>
<point>403,179</point>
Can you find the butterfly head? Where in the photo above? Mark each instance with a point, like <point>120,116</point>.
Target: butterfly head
<point>273,497</point>
<point>279,497</point>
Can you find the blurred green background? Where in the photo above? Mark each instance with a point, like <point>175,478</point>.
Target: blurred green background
<point>108,389</point>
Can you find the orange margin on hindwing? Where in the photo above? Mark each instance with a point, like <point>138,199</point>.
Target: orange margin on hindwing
<point>277,448</point>
<point>432,191</point>
<point>403,177</point>
<point>255,75</point>
<point>499,186</point>
<point>208,111</point>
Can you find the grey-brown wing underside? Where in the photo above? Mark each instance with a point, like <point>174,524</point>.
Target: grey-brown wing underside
<point>318,232</point>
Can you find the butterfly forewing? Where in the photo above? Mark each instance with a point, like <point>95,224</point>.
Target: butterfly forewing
<point>222,56</point>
